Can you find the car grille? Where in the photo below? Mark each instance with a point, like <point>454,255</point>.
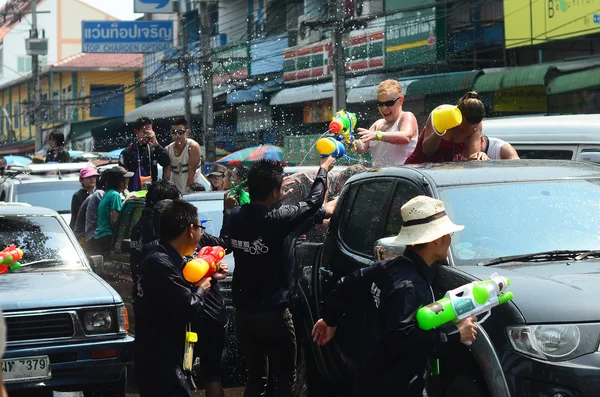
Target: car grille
<point>39,326</point>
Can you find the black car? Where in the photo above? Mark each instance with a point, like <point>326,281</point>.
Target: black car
<point>534,221</point>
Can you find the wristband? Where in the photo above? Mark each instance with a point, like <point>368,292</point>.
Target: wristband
<point>379,135</point>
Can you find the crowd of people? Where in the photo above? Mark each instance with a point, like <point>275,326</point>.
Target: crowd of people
<point>262,236</point>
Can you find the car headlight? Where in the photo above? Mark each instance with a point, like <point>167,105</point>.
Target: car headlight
<point>97,321</point>
<point>550,342</point>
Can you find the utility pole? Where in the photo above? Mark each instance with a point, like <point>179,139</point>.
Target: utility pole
<point>338,67</point>
<point>207,78</point>
<point>35,69</point>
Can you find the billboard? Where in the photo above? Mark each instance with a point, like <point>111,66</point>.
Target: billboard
<point>531,22</point>
<point>126,36</point>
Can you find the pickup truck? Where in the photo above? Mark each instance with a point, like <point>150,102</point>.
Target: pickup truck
<point>534,221</point>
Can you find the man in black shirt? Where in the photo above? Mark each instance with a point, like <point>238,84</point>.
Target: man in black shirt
<point>396,360</point>
<point>256,234</point>
<point>142,157</point>
<point>166,304</point>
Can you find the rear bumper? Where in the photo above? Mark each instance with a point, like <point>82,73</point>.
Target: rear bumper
<point>73,365</point>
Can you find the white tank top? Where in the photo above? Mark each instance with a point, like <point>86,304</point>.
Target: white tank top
<point>494,148</point>
<point>385,154</point>
<point>180,166</point>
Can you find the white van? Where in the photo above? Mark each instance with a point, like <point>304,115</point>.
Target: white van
<point>571,137</point>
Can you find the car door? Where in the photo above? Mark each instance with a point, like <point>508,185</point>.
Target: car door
<point>370,210</point>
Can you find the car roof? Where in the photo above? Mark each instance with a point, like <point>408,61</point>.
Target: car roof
<point>24,209</point>
<point>27,178</point>
<point>558,130</point>
<point>204,196</point>
<point>308,168</point>
<point>491,172</point>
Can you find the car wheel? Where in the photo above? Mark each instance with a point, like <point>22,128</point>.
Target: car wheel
<point>464,386</point>
<point>114,389</point>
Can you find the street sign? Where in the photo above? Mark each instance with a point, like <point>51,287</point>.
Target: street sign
<point>153,6</point>
<point>126,36</point>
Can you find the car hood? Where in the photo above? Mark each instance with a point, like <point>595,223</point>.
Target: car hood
<point>550,292</point>
<point>44,290</point>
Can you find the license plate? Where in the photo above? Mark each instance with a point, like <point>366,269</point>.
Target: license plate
<point>26,369</point>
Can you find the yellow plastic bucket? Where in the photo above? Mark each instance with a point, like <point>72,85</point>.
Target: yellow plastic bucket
<point>444,119</point>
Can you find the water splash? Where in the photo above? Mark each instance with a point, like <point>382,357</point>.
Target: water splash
<point>313,145</point>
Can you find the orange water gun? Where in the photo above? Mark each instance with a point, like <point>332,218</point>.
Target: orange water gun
<point>9,259</point>
<point>205,264</point>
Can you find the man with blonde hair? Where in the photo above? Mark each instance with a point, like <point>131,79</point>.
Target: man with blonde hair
<point>392,138</point>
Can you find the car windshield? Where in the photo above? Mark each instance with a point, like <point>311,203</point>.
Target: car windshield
<point>55,194</point>
<point>43,240</point>
<point>523,218</point>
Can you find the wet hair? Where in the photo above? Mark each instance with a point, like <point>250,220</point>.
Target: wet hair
<point>175,218</point>
<point>197,187</point>
<point>264,177</point>
<point>179,121</point>
<point>161,190</point>
<point>112,181</point>
<point>471,107</point>
<point>101,183</point>
<point>391,87</point>
<point>57,137</point>
<point>141,122</point>
<point>350,172</point>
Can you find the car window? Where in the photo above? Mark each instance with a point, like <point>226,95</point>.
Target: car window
<point>55,194</point>
<point>555,154</point>
<point>523,218</point>
<point>43,240</point>
<point>404,192</point>
<point>128,217</point>
<point>364,222</point>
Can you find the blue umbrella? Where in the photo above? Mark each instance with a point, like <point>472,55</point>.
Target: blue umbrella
<point>17,160</point>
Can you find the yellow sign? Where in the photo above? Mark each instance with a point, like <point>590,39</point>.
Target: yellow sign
<point>530,22</point>
<point>521,100</point>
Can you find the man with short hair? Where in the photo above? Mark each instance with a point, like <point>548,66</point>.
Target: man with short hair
<point>166,304</point>
<point>143,156</point>
<point>184,154</point>
<point>396,360</point>
<point>495,149</point>
<point>260,289</point>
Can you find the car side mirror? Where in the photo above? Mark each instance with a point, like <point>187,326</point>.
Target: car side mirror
<point>97,263</point>
<point>593,157</point>
<point>126,245</point>
<point>385,249</point>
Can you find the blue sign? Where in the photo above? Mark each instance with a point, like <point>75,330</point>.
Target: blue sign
<point>153,6</point>
<point>127,36</point>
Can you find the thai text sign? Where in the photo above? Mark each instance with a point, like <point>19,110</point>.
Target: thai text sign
<point>126,36</point>
<point>531,22</point>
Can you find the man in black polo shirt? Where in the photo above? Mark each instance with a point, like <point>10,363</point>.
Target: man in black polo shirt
<point>256,234</point>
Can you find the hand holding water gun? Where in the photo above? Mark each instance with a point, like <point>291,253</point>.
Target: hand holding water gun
<point>469,300</point>
<point>238,190</point>
<point>9,258</point>
<point>206,264</point>
<point>343,125</point>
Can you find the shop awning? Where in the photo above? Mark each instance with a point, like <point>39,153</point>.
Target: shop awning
<point>527,76</point>
<point>442,84</point>
<point>20,147</point>
<point>83,129</point>
<point>254,93</point>
<point>489,82</point>
<point>575,81</point>
<point>307,93</point>
<point>365,88</point>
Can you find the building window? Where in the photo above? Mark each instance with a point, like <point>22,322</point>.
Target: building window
<point>24,63</point>
<point>107,101</point>
<point>16,115</point>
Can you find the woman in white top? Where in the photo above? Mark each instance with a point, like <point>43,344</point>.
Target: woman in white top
<point>393,138</point>
<point>185,158</point>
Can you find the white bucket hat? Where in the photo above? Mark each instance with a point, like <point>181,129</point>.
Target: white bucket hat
<point>424,220</point>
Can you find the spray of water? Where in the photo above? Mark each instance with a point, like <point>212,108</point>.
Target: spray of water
<point>313,145</point>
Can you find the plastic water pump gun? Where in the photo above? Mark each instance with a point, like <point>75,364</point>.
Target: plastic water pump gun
<point>468,300</point>
<point>343,125</point>
<point>9,259</point>
<point>330,147</point>
<point>238,190</point>
<point>205,264</point>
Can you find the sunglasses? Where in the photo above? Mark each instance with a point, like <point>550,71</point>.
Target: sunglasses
<point>202,228</point>
<point>178,132</point>
<point>389,104</point>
